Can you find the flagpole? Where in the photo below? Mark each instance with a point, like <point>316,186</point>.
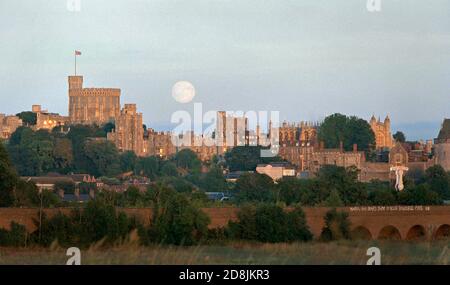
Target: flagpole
<point>75,63</point>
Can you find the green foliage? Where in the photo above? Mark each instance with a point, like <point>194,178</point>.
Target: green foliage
<point>31,152</point>
<point>102,158</point>
<point>214,181</point>
<point>176,220</point>
<point>254,187</point>
<point>62,155</point>
<point>99,220</point>
<point>178,184</point>
<point>345,181</point>
<point>439,181</point>
<point>339,128</point>
<point>169,169</point>
<point>246,158</point>
<point>128,161</point>
<point>419,195</point>
<point>383,197</point>
<point>269,223</point>
<point>188,160</point>
<point>334,200</point>
<point>399,137</point>
<point>300,191</point>
<point>16,236</point>
<point>8,179</point>
<point>148,166</point>
<point>28,118</point>
<point>337,226</point>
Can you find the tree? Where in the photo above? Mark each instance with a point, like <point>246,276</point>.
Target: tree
<point>246,158</point>
<point>148,166</point>
<point>178,184</point>
<point>102,158</point>
<point>419,195</point>
<point>382,196</point>
<point>16,236</point>
<point>108,127</point>
<point>214,181</point>
<point>188,160</point>
<point>337,226</point>
<point>334,200</point>
<point>339,128</point>
<point>289,190</point>
<point>62,155</point>
<point>28,118</point>
<point>8,179</point>
<point>298,229</point>
<point>128,161</point>
<point>345,181</point>
<point>300,191</point>
<point>254,187</point>
<point>439,181</point>
<point>399,137</point>
<point>169,169</point>
<point>133,197</point>
<point>176,220</point>
<point>269,223</point>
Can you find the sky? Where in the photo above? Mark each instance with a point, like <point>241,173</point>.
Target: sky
<point>306,59</point>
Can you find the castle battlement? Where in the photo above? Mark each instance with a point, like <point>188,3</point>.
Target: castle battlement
<point>92,105</point>
<point>113,92</point>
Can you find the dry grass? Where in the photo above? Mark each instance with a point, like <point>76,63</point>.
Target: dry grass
<point>344,252</point>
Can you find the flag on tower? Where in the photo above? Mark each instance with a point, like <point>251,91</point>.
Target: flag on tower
<point>77,52</point>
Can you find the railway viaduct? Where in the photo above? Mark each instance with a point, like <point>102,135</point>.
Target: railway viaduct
<point>367,222</point>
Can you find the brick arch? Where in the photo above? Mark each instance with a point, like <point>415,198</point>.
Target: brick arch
<point>361,232</point>
<point>416,232</point>
<point>442,232</point>
<point>389,232</point>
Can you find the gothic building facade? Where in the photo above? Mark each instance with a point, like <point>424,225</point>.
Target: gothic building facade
<point>382,132</point>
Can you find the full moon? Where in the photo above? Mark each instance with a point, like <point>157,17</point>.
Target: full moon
<point>183,91</point>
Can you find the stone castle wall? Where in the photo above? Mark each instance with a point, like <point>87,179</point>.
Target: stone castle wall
<point>92,105</point>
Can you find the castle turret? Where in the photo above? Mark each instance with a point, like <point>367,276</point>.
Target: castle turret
<point>75,82</point>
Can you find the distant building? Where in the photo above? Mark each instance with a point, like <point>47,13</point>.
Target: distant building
<point>159,144</point>
<point>46,120</point>
<point>92,105</point>
<point>298,134</point>
<point>8,125</point>
<point>382,132</point>
<point>234,176</point>
<point>276,170</point>
<point>442,146</point>
<point>231,131</point>
<point>337,157</point>
<point>128,134</point>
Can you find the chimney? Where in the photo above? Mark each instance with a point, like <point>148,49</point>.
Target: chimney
<point>355,147</point>
<point>341,146</point>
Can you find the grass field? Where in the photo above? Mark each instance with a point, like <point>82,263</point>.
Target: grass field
<point>343,252</point>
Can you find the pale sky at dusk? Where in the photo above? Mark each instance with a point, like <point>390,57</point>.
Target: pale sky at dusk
<point>306,59</point>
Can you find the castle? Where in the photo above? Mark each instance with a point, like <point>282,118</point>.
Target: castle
<point>92,105</point>
<point>298,142</point>
<point>129,131</point>
<point>8,125</point>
